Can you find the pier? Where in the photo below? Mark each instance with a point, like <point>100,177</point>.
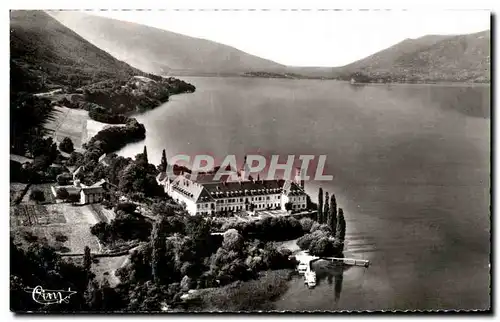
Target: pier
<point>349,261</point>
<point>307,259</point>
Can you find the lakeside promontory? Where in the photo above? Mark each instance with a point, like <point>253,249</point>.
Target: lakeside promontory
<point>53,67</point>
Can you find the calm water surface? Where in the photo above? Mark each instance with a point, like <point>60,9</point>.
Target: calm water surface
<point>411,170</point>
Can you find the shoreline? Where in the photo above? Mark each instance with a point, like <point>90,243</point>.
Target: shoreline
<point>130,117</point>
<point>440,83</point>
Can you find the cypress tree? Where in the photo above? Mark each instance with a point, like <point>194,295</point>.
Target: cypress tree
<point>320,204</point>
<point>87,259</point>
<point>158,245</point>
<point>87,263</point>
<point>163,165</point>
<point>332,218</point>
<point>326,210</point>
<point>341,227</point>
<point>94,296</point>
<point>145,154</point>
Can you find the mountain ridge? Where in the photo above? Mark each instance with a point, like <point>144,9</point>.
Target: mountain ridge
<point>430,58</point>
<point>457,58</point>
<point>166,50</point>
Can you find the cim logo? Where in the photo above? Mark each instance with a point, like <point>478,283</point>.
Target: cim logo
<point>48,297</point>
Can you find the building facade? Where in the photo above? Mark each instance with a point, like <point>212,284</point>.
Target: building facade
<point>84,194</point>
<point>91,195</point>
<point>206,196</point>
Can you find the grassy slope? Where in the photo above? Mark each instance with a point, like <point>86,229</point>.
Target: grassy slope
<point>42,49</point>
<point>156,50</point>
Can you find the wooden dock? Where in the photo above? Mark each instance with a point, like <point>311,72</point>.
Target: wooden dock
<point>350,261</point>
<point>306,258</point>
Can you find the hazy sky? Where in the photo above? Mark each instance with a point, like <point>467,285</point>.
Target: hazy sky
<point>309,38</point>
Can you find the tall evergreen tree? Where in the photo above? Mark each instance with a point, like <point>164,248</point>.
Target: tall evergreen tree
<point>332,218</point>
<point>320,204</point>
<point>163,165</point>
<point>87,259</point>
<point>341,226</point>
<point>87,263</point>
<point>326,209</point>
<point>158,245</point>
<point>93,296</point>
<point>145,154</point>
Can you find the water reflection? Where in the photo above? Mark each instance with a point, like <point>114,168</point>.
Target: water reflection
<point>358,86</point>
<point>331,273</point>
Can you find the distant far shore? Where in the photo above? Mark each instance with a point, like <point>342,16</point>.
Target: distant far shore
<point>266,76</point>
<point>422,83</point>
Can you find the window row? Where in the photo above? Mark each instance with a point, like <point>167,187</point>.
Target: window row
<point>259,206</point>
<point>248,199</point>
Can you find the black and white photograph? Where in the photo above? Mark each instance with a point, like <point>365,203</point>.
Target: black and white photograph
<point>259,160</point>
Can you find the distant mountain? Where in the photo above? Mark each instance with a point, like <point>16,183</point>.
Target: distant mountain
<point>160,51</point>
<point>385,59</point>
<point>45,53</point>
<point>426,59</point>
<point>462,58</point>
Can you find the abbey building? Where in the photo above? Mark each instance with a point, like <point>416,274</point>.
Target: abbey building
<point>202,194</point>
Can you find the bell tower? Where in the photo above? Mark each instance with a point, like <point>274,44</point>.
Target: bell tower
<point>299,177</point>
<point>244,172</point>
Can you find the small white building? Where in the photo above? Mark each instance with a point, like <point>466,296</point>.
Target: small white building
<point>85,194</point>
<point>91,194</point>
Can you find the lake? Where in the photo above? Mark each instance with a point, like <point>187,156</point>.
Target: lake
<point>411,167</point>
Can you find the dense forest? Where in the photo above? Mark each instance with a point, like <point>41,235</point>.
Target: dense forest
<point>136,94</point>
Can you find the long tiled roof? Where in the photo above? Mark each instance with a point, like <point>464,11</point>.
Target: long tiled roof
<point>72,190</point>
<point>210,177</point>
<point>237,189</point>
<point>291,188</point>
<point>204,196</point>
<point>206,188</point>
<point>243,188</point>
<point>201,178</point>
<point>98,189</point>
<point>187,187</point>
